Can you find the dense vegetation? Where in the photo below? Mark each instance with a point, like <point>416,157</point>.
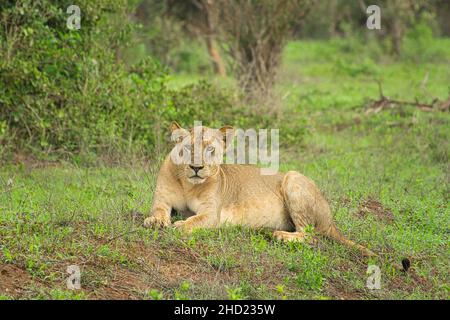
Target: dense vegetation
<point>67,93</point>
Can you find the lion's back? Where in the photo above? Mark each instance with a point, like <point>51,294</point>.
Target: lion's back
<point>247,181</point>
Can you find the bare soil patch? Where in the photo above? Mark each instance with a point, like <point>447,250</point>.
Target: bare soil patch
<point>374,207</point>
<point>13,280</point>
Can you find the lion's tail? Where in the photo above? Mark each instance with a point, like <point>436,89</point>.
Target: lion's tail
<point>334,233</point>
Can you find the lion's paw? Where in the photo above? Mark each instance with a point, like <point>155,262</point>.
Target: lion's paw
<point>289,236</point>
<point>156,222</point>
<point>183,226</point>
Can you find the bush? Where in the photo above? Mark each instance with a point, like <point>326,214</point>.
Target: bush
<point>59,87</point>
<point>67,93</point>
<point>419,45</point>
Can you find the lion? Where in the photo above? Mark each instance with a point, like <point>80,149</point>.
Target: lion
<point>236,194</point>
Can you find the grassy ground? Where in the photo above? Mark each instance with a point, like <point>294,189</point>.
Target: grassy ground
<point>385,175</point>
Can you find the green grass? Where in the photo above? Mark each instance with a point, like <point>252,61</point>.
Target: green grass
<point>385,175</point>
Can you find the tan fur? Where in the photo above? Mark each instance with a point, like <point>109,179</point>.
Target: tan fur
<point>240,195</point>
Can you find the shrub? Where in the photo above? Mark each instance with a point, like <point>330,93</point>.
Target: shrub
<point>58,87</point>
<point>67,92</point>
<point>419,45</point>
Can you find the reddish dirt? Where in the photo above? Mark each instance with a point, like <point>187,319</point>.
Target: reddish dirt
<point>409,281</point>
<point>340,291</point>
<point>13,280</point>
<point>124,285</point>
<point>163,270</point>
<point>374,207</point>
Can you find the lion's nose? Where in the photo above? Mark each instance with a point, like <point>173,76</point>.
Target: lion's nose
<point>196,169</point>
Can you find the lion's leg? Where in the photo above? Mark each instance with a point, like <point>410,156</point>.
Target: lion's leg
<point>206,218</point>
<point>160,216</point>
<point>305,205</point>
<point>202,220</point>
<point>167,194</point>
<point>161,208</point>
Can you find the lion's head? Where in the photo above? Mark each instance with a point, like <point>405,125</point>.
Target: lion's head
<point>199,151</point>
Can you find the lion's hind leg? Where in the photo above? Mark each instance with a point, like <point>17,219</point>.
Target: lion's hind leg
<point>301,199</point>
<point>304,202</point>
<point>307,206</point>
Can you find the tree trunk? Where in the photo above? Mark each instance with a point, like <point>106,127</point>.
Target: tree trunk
<point>397,37</point>
<point>219,67</point>
<point>211,20</point>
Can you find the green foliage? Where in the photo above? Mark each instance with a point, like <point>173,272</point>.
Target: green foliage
<point>235,293</point>
<point>65,91</point>
<point>203,102</point>
<point>221,262</point>
<point>155,294</point>
<point>56,83</point>
<point>367,67</point>
<point>166,34</point>
<point>165,40</point>
<point>8,257</point>
<point>58,294</point>
<point>309,269</point>
<point>419,45</point>
<point>182,293</point>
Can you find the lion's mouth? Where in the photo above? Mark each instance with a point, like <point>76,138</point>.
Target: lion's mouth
<point>196,179</point>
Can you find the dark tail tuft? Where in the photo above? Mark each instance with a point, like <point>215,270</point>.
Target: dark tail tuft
<point>406,263</point>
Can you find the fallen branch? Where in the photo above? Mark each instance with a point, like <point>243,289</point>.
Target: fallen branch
<point>384,103</point>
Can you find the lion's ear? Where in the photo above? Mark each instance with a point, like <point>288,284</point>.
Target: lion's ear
<point>178,133</point>
<point>174,126</point>
<point>227,133</point>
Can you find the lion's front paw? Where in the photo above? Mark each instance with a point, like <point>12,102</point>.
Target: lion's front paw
<point>182,225</point>
<point>156,222</point>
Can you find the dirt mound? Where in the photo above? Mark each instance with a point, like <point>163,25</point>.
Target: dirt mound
<point>374,207</point>
<point>13,280</point>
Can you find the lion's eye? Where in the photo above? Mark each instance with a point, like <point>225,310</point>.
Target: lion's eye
<point>210,149</point>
